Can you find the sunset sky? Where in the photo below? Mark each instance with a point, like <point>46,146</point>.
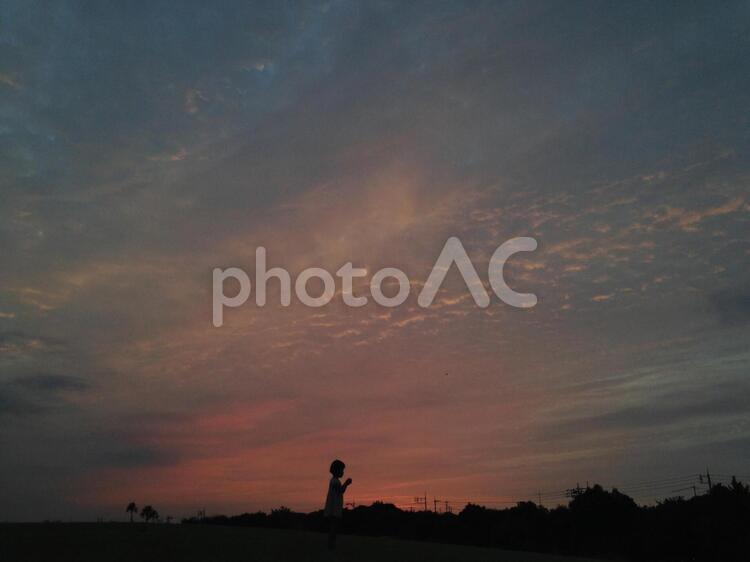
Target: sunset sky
<point>145,143</point>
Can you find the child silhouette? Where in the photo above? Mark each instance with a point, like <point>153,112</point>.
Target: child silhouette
<point>335,501</point>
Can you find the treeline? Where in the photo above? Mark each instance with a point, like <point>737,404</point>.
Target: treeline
<point>711,527</point>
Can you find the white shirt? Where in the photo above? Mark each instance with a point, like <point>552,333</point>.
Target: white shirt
<point>334,499</point>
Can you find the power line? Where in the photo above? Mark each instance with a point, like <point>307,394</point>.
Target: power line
<point>695,493</point>
<point>660,480</point>
<point>644,489</point>
<point>658,487</point>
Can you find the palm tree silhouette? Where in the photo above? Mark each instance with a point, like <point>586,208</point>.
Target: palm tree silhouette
<point>148,513</point>
<point>131,509</point>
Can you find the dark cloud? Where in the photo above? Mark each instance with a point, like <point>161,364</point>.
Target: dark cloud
<point>732,307</point>
<point>673,408</point>
<point>122,455</point>
<point>12,403</point>
<point>46,382</point>
<point>38,392</point>
<point>25,340</point>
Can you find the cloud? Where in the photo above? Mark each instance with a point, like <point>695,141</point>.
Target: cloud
<point>689,219</point>
<point>17,343</point>
<point>732,307</point>
<point>193,100</point>
<point>24,395</point>
<point>9,81</point>
<point>122,455</point>
<point>667,412</point>
<point>13,404</point>
<point>46,382</point>
<point>657,414</point>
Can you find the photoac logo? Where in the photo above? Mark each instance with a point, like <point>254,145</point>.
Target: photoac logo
<point>453,253</point>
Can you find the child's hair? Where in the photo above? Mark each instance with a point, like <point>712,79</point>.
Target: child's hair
<point>337,467</point>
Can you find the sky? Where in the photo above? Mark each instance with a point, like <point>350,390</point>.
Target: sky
<point>144,144</point>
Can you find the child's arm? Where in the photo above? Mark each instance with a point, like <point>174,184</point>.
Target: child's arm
<point>345,485</point>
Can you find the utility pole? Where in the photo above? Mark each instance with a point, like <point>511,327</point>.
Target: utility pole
<point>539,496</point>
<point>448,508</point>
<point>422,500</point>
<point>574,492</point>
<point>707,476</point>
<point>435,503</point>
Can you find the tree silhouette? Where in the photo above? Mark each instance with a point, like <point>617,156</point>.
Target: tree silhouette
<point>131,509</point>
<point>148,513</point>
<point>609,524</point>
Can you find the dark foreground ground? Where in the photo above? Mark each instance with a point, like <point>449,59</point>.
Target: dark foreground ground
<point>137,542</point>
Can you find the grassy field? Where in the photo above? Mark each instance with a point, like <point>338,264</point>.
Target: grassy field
<point>112,542</point>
